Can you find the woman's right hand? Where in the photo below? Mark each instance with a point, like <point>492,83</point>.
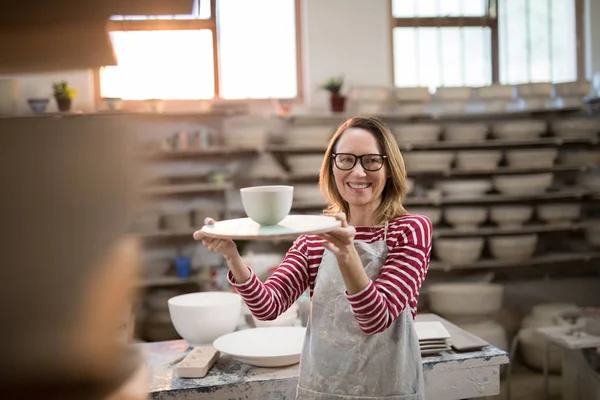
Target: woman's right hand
<point>226,247</point>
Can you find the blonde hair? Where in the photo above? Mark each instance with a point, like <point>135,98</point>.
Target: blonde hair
<point>395,187</point>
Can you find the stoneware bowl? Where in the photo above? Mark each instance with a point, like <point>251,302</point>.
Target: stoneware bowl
<point>202,317</point>
<point>267,205</point>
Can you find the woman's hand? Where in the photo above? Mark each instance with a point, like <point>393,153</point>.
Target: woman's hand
<point>226,247</point>
<point>340,241</point>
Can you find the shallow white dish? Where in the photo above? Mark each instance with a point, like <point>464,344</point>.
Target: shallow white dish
<point>264,347</point>
<point>291,226</point>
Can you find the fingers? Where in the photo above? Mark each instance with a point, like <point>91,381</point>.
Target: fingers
<point>331,247</point>
<point>342,217</point>
<point>208,221</point>
<point>198,235</point>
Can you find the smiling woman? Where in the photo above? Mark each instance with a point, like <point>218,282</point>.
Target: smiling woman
<point>363,278</point>
<point>232,49</point>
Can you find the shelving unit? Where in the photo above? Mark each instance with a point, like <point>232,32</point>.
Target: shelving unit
<point>562,260</point>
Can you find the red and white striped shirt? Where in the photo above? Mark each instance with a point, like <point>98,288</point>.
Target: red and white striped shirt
<point>375,307</point>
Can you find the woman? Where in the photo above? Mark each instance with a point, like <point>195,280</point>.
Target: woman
<point>363,278</point>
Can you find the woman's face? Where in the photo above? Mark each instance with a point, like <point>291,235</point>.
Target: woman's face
<point>359,186</point>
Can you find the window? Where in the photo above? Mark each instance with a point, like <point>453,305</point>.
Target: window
<point>480,42</point>
<point>231,49</point>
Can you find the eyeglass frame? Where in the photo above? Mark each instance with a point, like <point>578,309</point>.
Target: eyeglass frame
<point>356,158</point>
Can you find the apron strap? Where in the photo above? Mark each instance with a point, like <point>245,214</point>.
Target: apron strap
<point>385,232</point>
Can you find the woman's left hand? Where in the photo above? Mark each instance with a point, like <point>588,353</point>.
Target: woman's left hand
<point>341,240</point>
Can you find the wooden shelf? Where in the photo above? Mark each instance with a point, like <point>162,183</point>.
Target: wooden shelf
<point>497,231</point>
<point>186,189</point>
<point>546,259</point>
<point>200,154</point>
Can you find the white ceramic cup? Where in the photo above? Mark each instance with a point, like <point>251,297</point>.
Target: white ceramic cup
<point>267,205</point>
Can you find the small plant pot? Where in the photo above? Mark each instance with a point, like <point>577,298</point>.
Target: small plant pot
<point>337,103</point>
<point>64,105</point>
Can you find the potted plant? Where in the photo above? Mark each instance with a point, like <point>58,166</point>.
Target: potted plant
<point>337,102</point>
<point>63,94</point>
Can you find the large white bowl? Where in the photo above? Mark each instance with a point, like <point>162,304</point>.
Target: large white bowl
<point>428,161</point>
<point>527,184</point>
<point>514,247</point>
<point>459,251</point>
<point>536,158</point>
<point>511,215</point>
<point>481,160</point>
<point>519,130</point>
<point>464,188</point>
<point>202,317</point>
<point>466,132</point>
<point>466,218</point>
<point>416,133</point>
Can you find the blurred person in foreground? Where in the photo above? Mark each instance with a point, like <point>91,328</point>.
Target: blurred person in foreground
<point>363,278</point>
<point>69,188</point>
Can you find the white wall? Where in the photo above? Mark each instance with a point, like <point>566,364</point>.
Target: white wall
<point>349,37</point>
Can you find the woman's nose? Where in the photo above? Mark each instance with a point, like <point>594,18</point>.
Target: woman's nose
<point>358,170</point>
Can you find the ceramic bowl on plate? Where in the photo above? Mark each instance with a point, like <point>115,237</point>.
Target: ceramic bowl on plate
<point>202,317</point>
<point>264,347</point>
<point>267,205</point>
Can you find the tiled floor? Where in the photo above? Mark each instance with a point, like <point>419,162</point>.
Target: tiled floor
<point>527,384</point>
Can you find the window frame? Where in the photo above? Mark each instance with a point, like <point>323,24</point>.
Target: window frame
<point>487,21</point>
<point>197,24</point>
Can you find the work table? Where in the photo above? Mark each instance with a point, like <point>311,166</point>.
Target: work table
<point>448,375</point>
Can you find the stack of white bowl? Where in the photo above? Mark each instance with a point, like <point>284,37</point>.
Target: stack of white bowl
<point>369,99</point>
<point>471,306</point>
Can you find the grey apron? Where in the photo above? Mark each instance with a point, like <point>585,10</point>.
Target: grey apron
<point>339,361</point>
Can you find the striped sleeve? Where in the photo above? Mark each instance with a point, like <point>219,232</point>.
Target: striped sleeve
<point>397,287</point>
<point>269,300</point>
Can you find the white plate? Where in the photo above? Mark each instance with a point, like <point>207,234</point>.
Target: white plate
<point>430,330</point>
<point>291,226</point>
<point>264,347</point>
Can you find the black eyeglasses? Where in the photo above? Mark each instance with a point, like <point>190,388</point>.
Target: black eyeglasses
<point>369,162</point>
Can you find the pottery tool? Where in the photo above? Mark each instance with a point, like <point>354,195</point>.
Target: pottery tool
<point>198,362</point>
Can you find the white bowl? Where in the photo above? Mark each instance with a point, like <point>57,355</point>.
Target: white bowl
<point>428,161</point>
<point>459,93</point>
<point>576,128</point>
<point>465,189</point>
<point>458,251</point>
<point>462,299</point>
<point>483,160</point>
<point>310,135</point>
<point>466,218</point>
<point>202,317</point>
<point>305,164</point>
<point>495,92</point>
<point>538,89</point>
<point>519,130</point>
<point>469,132</point>
<point>529,184</point>
<point>416,133</point>
<point>267,205</point>
<point>412,94</point>
<point>513,247</point>
<point>536,158</point>
<point>511,216</point>
<point>559,213</point>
